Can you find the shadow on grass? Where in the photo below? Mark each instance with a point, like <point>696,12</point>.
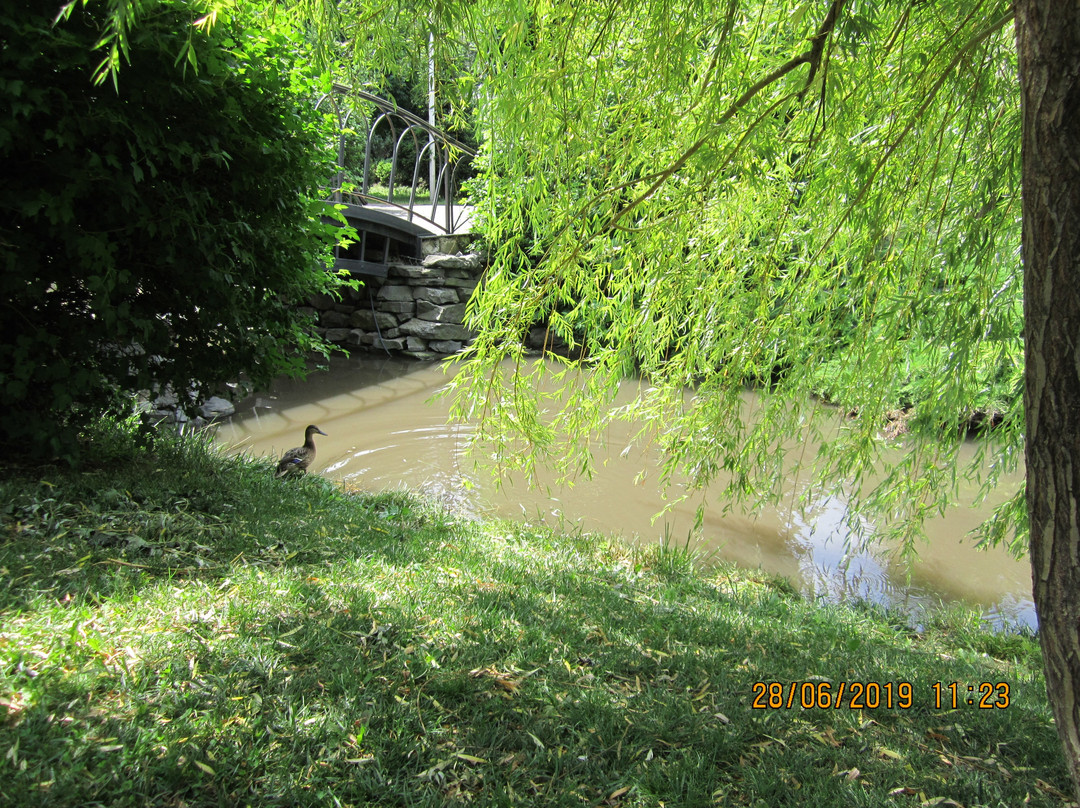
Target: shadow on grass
<point>201,634</point>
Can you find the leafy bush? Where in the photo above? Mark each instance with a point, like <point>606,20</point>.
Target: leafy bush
<point>381,171</point>
<point>156,233</point>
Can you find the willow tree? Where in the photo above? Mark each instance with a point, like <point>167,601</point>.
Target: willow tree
<point>821,198</point>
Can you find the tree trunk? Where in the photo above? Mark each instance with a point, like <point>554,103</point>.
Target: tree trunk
<point>1048,41</point>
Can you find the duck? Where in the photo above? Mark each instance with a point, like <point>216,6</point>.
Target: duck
<point>297,460</point>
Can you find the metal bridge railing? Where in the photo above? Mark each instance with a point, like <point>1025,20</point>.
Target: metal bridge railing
<point>436,151</point>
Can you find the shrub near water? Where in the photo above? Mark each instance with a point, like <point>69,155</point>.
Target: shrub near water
<point>180,628</point>
<point>155,232</point>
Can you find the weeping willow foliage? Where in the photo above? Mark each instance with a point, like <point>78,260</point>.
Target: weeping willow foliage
<point>819,199</point>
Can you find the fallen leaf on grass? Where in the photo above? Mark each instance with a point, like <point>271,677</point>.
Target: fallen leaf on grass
<point>1045,787</point>
<point>435,772</point>
<point>614,796</point>
<point>771,740</point>
<point>469,758</point>
<point>511,759</point>
<point>826,738</point>
<point>13,705</point>
<point>508,681</point>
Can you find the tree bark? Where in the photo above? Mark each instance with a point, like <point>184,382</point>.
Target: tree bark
<point>1048,42</point>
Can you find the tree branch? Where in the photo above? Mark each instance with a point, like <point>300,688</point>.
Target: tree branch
<point>811,57</point>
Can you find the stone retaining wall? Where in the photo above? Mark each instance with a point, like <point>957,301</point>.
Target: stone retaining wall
<point>417,310</point>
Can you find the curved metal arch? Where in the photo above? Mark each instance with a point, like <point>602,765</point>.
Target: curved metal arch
<point>447,151</point>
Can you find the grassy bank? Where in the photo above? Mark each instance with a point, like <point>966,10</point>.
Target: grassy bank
<point>178,628</point>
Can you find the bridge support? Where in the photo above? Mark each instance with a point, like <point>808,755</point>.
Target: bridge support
<point>416,309</point>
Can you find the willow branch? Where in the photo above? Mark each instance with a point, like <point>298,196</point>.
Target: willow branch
<point>893,147</point>
<point>812,57</point>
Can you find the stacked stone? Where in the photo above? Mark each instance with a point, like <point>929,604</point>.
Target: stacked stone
<point>417,311</point>
<point>165,409</point>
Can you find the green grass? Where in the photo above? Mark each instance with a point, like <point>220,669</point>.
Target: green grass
<point>402,193</point>
<point>179,628</point>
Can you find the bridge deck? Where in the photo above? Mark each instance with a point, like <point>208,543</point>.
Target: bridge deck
<point>391,224</point>
<point>433,223</point>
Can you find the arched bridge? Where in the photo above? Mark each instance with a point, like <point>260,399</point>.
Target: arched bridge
<point>403,188</point>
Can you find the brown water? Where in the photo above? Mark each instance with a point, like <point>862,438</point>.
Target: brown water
<point>384,433</point>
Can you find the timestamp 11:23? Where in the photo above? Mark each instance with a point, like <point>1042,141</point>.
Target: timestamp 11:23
<point>871,695</point>
<point>985,695</point>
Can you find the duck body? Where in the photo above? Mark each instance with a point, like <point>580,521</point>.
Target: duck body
<point>296,461</point>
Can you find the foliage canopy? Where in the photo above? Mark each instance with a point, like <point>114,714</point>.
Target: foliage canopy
<point>818,200</point>
<point>155,230</point>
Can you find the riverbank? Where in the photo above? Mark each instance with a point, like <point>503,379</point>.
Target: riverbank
<point>178,627</point>
<point>388,428</point>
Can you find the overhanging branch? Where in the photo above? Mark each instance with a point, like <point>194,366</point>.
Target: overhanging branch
<point>812,57</point>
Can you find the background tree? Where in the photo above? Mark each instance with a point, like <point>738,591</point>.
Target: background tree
<point>156,231</point>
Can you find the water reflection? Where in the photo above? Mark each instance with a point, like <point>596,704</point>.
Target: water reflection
<point>384,432</point>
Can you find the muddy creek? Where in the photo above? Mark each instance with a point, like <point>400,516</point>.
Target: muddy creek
<point>385,433</point>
